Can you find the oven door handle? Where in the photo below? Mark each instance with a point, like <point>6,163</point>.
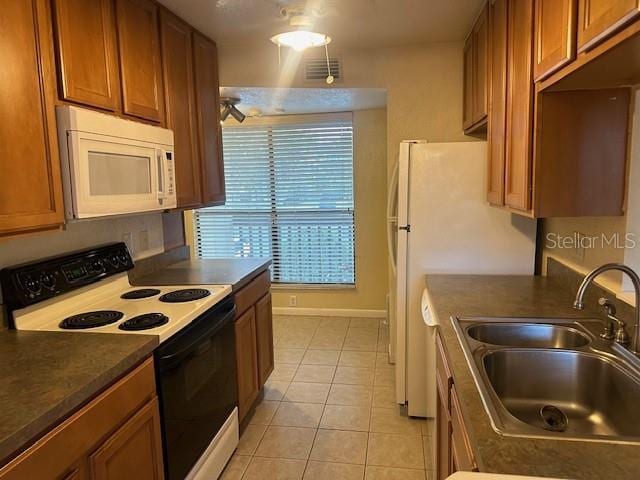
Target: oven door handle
<point>168,360</point>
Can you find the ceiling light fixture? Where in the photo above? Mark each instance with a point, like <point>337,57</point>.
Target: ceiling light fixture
<point>229,108</point>
<point>302,38</point>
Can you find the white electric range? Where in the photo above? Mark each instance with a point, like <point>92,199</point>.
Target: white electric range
<point>114,306</point>
<point>195,362</point>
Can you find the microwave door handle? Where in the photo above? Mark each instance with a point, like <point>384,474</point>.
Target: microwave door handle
<point>162,183</point>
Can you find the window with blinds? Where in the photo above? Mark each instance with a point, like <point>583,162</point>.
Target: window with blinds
<point>289,187</point>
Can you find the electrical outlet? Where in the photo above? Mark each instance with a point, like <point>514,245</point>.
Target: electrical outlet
<point>293,301</point>
<point>143,241</point>
<point>127,238</point>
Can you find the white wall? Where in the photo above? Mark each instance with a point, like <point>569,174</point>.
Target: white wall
<point>85,234</point>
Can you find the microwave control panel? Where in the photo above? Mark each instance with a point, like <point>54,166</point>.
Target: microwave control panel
<point>170,173</point>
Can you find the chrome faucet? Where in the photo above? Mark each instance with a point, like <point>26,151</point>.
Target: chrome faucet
<point>635,280</point>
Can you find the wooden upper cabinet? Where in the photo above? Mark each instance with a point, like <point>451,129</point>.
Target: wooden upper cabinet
<point>555,46</point>
<point>519,105</point>
<point>480,39</point>
<point>133,451</point>
<point>140,59</point>
<point>467,109</point>
<point>475,74</point>
<point>30,182</point>
<point>179,94</point>
<point>496,126</point>
<point>85,35</point>
<point>246,361</point>
<point>208,110</point>
<point>598,19</point>
<point>264,335</point>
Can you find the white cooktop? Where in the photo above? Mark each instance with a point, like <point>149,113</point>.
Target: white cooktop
<point>105,295</point>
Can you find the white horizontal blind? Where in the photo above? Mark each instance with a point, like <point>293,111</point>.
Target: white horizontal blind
<point>289,197</point>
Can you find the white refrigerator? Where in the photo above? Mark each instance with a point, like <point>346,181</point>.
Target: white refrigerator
<point>440,222</point>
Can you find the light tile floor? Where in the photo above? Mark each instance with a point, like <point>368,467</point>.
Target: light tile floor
<point>329,409</point>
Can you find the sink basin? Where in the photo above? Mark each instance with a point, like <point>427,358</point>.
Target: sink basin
<point>553,378</point>
<point>578,393</point>
<point>528,335</point>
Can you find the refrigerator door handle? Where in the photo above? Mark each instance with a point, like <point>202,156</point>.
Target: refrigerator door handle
<point>392,217</point>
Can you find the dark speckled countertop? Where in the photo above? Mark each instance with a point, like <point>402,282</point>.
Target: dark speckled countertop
<point>236,272</point>
<point>46,376</point>
<point>519,296</point>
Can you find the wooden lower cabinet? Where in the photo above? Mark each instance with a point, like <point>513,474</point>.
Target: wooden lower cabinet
<point>246,361</point>
<point>115,436</point>
<point>264,333</point>
<point>453,448</point>
<point>443,435</point>
<point>254,340</point>
<point>134,451</point>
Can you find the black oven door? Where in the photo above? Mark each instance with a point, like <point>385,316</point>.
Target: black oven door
<point>196,376</point>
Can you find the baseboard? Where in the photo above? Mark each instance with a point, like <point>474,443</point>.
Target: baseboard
<point>329,312</point>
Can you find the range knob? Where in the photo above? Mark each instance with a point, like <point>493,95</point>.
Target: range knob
<point>32,285</point>
<point>48,280</point>
<point>113,260</point>
<point>97,266</point>
<point>124,259</point>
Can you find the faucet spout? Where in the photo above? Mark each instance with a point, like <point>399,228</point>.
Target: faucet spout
<point>578,304</point>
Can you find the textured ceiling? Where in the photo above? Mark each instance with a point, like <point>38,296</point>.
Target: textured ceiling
<point>351,23</point>
<point>277,101</point>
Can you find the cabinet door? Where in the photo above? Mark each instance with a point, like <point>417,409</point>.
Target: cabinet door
<point>555,22</point>
<point>462,454</point>
<point>519,105</point>
<point>30,182</point>
<point>246,361</point>
<point>443,433</point>
<point>133,451</point>
<point>467,108</point>
<point>264,332</point>
<point>496,124</point>
<point>480,65</point>
<point>598,19</point>
<point>87,57</point>
<point>140,61</point>
<point>177,61</point>
<point>209,130</point>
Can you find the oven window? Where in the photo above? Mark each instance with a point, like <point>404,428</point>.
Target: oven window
<point>113,174</point>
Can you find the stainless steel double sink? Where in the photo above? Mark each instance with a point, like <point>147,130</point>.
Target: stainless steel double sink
<point>553,378</point>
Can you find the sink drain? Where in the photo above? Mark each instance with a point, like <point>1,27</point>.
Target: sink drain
<point>553,418</point>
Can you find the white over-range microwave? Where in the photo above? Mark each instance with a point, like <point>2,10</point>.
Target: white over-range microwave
<point>112,166</point>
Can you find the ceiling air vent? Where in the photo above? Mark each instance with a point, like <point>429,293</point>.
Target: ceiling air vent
<point>316,69</point>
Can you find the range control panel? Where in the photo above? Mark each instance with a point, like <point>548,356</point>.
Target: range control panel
<point>34,282</point>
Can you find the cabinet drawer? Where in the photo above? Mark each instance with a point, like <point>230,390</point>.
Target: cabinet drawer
<point>65,445</point>
<point>253,292</point>
<point>460,444</point>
